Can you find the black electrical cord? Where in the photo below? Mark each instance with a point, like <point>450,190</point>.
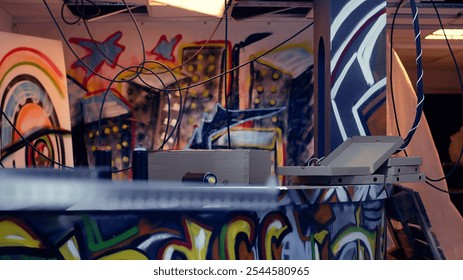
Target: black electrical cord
<point>461,86</point>
<point>81,12</point>
<point>225,82</point>
<point>64,18</point>
<point>420,73</point>
<point>442,190</point>
<point>121,170</point>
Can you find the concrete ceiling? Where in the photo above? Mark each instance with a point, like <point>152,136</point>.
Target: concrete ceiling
<point>440,74</point>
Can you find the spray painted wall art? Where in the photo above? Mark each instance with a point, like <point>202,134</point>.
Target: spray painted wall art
<point>35,121</point>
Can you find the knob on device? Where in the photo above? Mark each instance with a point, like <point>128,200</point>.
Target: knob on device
<point>206,178</point>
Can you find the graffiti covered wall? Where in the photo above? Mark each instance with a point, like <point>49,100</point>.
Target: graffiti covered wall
<point>268,97</point>
<point>336,223</point>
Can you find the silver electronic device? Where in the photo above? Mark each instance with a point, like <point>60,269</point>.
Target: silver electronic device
<point>360,160</point>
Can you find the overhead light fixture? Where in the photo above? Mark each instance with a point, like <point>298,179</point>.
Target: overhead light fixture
<point>452,34</point>
<point>156,3</point>
<point>208,7</point>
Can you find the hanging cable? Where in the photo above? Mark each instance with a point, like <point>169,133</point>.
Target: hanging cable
<point>442,190</point>
<point>121,170</point>
<point>226,92</point>
<point>391,65</point>
<point>419,82</point>
<point>81,12</point>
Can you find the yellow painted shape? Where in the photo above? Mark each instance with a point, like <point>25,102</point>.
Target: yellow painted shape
<point>320,236</point>
<point>12,235</point>
<point>199,240</point>
<point>233,230</point>
<point>70,250</point>
<point>275,229</point>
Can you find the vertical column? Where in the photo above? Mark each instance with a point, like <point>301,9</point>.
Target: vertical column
<point>350,60</point>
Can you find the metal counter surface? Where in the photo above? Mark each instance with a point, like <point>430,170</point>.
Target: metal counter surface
<point>79,217</point>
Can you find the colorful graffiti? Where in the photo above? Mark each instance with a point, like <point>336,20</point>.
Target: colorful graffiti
<point>157,115</point>
<point>358,71</point>
<point>34,103</point>
<point>164,49</point>
<point>99,54</point>
<point>348,230</point>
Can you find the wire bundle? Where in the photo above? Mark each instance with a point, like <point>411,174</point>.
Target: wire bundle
<point>420,73</point>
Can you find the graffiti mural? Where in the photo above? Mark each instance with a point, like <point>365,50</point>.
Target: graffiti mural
<point>284,79</point>
<point>179,99</point>
<point>34,101</point>
<point>201,99</point>
<point>164,49</point>
<point>98,55</point>
<point>353,227</point>
<point>358,72</point>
